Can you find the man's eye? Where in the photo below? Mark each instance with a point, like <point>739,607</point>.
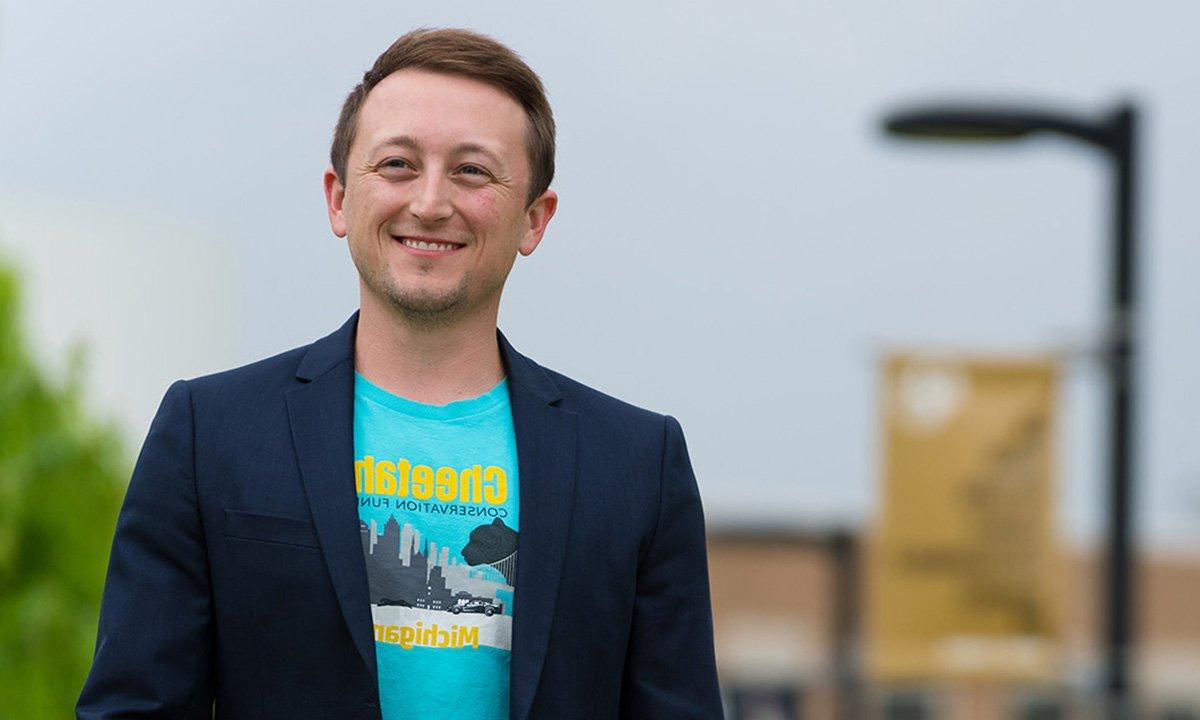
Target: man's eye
<point>394,165</point>
<point>474,172</point>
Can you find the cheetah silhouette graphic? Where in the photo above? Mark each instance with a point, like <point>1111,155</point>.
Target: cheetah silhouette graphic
<point>494,545</point>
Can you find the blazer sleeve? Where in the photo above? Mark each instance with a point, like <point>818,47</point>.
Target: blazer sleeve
<point>154,648</point>
<point>670,669</point>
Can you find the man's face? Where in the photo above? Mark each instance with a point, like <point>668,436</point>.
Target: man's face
<point>433,202</point>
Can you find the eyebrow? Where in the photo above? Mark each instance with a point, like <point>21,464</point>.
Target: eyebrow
<point>464,147</point>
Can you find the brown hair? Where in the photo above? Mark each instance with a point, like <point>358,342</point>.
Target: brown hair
<point>468,54</point>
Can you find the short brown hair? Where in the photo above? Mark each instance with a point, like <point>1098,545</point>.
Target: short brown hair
<point>468,54</point>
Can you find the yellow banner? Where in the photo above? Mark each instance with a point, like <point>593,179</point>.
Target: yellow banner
<point>963,563</point>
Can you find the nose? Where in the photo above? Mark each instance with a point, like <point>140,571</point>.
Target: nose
<point>432,200</point>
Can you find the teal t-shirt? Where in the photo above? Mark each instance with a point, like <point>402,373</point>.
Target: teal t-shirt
<point>438,506</point>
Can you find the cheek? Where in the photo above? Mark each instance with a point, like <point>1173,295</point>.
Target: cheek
<point>493,216</point>
<point>483,207</point>
<point>372,203</point>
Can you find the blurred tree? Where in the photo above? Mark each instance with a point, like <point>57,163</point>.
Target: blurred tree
<point>62,476</point>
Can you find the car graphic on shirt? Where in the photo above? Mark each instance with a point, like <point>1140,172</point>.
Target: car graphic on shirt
<point>476,605</point>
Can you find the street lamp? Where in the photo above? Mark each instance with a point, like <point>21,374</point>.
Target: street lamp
<point>1113,133</point>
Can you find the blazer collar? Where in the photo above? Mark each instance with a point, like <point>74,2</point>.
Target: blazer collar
<point>338,346</point>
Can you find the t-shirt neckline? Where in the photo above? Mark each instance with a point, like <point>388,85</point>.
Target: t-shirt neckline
<point>451,411</point>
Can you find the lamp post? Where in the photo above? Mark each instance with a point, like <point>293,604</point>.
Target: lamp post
<point>1114,134</point>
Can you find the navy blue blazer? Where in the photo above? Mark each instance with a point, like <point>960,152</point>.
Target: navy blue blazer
<point>237,573</point>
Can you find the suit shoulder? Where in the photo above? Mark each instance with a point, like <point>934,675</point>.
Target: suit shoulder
<point>600,406</point>
<point>618,433</point>
<point>273,373</point>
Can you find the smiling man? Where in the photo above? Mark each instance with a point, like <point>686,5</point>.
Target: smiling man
<point>408,518</point>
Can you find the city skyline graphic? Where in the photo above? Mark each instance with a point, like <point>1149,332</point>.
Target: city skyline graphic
<point>408,568</point>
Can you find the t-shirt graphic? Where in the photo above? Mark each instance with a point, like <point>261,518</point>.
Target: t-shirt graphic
<point>438,509</point>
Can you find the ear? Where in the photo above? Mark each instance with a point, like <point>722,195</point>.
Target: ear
<point>335,194</point>
<point>538,214</point>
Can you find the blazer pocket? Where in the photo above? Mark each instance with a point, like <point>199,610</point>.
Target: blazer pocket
<point>243,525</point>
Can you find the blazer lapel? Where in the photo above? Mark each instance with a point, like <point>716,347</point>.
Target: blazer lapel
<point>546,445</point>
<point>322,419</point>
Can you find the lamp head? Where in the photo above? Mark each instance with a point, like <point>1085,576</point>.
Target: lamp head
<point>966,122</point>
<point>951,124</point>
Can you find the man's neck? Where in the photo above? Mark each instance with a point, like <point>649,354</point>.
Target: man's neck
<point>433,365</point>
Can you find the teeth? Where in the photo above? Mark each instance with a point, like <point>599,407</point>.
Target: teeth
<point>421,245</point>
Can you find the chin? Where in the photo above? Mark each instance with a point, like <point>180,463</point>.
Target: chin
<point>428,304</point>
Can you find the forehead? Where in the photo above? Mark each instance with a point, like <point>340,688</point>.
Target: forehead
<point>440,112</point>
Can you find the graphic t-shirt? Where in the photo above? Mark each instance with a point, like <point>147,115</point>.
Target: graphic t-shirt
<point>438,501</point>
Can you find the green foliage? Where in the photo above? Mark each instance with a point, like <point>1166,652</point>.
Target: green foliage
<point>62,476</point>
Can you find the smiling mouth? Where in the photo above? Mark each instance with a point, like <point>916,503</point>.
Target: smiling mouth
<point>427,245</point>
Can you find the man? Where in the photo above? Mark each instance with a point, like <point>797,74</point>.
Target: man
<point>408,518</point>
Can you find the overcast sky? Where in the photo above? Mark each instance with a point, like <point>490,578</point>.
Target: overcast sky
<point>736,243</point>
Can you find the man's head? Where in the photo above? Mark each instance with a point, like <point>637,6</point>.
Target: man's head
<point>440,168</point>
<point>451,51</point>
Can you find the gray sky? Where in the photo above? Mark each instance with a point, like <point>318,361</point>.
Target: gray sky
<point>735,242</point>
